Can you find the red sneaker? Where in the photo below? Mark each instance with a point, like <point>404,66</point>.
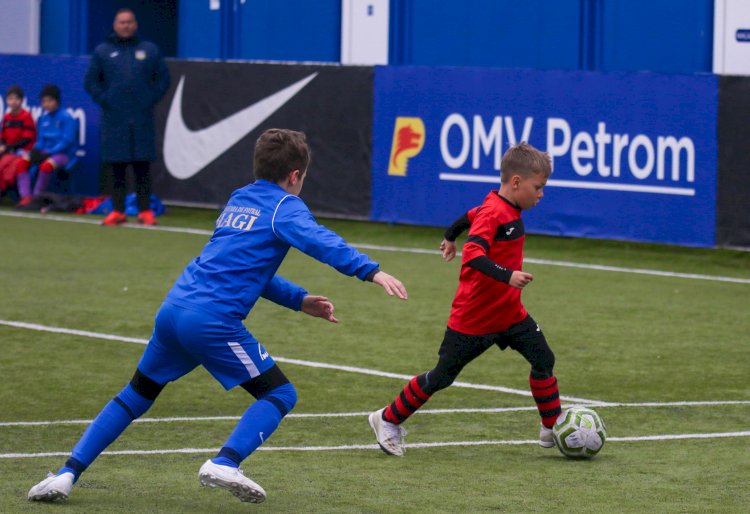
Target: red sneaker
<point>115,218</point>
<point>147,218</point>
<point>26,200</point>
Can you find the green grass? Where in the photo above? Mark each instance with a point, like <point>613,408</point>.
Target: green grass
<point>618,337</point>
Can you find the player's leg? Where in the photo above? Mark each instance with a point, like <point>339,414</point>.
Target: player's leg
<point>118,172</point>
<point>528,339</point>
<point>7,171</point>
<point>23,181</point>
<point>234,357</point>
<point>46,168</point>
<point>456,351</point>
<point>161,363</point>
<point>275,397</point>
<point>142,172</point>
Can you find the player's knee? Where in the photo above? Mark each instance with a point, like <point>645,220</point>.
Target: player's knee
<point>543,365</point>
<point>138,396</point>
<point>437,379</point>
<point>145,386</point>
<point>283,397</point>
<point>265,382</point>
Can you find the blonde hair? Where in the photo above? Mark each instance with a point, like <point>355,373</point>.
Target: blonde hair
<point>524,160</point>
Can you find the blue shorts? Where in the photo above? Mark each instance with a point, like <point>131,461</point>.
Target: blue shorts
<point>184,338</point>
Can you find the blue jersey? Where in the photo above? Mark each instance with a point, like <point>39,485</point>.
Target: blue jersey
<point>57,132</point>
<point>253,235</point>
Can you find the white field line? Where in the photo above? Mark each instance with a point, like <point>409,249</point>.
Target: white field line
<point>665,437</point>
<point>488,410</point>
<point>298,362</point>
<point>383,248</point>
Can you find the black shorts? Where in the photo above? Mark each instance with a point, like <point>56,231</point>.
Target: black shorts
<point>458,349</point>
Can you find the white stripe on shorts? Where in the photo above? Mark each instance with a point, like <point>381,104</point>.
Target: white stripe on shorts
<point>242,355</point>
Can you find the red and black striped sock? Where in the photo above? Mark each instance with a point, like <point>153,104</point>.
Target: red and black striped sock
<point>407,402</point>
<point>547,398</point>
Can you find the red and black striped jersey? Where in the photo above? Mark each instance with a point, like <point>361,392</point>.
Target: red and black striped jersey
<point>482,304</point>
<point>18,130</point>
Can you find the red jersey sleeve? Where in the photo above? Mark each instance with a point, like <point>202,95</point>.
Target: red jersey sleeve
<point>481,234</point>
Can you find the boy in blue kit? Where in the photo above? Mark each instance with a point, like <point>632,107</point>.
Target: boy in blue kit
<point>200,321</point>
<point>55,146</point>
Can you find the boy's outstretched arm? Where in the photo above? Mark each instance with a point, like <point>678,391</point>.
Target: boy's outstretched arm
<point>448,246</point>
<point>392,285</point>
<point>318,307</point>
<point>294,224</point>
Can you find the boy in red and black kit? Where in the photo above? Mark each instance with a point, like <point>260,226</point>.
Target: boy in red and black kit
<point>17,136</point>
<point>487,308</point>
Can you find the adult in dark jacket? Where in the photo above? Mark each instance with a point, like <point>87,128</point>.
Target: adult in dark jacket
<point>127,77</point>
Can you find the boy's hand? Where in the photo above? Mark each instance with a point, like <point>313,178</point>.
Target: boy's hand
<point>449,250</point>
<point>392,285</point>
<point>318,307</point>
<point>520,279</point>
<point>36,156</point>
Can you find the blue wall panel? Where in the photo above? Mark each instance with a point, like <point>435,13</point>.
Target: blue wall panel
<point>62,27</point>
<point>605,35</point>
<point>199,33</point>
<point>504,33</point>
<point>657,35</point>
<point>289,30</point>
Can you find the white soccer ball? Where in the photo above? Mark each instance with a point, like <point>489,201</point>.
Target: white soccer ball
<point>579,432</point>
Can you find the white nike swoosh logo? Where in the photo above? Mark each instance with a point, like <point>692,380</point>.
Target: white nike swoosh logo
<point>186,152</point>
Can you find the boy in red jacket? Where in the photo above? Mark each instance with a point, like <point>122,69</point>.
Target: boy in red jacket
<point>17,136</point>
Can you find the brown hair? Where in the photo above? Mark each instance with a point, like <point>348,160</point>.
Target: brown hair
<point>16,90</point>
<point>524,160</point>
<point>279,152</point>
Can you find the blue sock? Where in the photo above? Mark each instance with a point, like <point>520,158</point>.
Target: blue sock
<point>256,425</point>
<point>108,425</point>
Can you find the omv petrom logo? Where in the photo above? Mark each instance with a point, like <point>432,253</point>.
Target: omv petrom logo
<point>408,141</point>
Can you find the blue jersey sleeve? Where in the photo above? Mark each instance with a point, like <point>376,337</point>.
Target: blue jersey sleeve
<point>294,224</point>
<point>67,134</point>
<point>285,293</point>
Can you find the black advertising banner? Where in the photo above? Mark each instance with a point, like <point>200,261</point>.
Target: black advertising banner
<point>209,120</point>
<point>733,189</point>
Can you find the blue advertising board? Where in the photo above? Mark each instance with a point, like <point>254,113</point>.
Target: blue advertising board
<point>32,72</point>
<point>634,154</point>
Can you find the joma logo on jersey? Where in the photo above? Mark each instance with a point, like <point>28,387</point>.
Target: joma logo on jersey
<point>408,140</point>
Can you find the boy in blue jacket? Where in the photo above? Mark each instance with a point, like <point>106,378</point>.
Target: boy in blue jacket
<point>200,321</point>
<point>55,146</point>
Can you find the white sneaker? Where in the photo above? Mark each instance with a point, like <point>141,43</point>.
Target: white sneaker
<point>389,435</point>
<point>53,488</point>
<point>227,477</point>
<point>545,437</point>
